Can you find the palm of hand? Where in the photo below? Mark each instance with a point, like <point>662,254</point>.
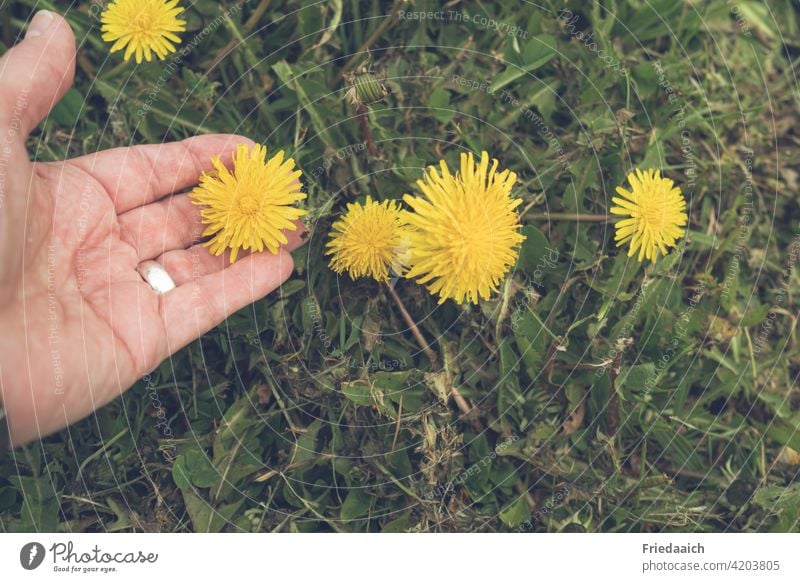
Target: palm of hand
<point>83,308</point>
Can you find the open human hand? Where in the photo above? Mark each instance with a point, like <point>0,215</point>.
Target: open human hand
<point>78,324</point>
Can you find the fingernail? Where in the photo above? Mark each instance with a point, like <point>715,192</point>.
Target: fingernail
<point>39,24</point>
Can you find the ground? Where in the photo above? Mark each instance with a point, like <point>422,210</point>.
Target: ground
<point>592,393</point>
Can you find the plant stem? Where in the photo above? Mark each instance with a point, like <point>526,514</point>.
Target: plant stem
<point>397,424</point>
<point>423,344</point>
<point>461,402</point>
<point>256,16</point>
<point>613,402</point>
<point>465,408</point>
<point>569,216</point>
<point>364,121</point>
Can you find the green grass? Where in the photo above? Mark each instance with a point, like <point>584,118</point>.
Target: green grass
<point>601,403</point>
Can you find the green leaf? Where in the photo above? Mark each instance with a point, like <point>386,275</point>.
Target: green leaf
<point>676,446</point>
<point>292,82</point>
<point>516,513</point>
<point>358,392</point>
<point>651,20</point>
<point>539,50</point>
<point>668,263</point>
<point>728,297</point>
<point>180,474</point>
<point>68,110</point>
<point>237,420</point>
<point>39,510</point>
<point>206,518</point>
<point>774,497</point>
<point>399,525</point>
<point>530,335</point>
<point>355,505</point>
<point>194,467</point>
<point>508,390</point>
<point>784,433</point>
<point>336,19</point>
<point>305,449</point>
<point>535,254</point>
<point>391,383</point>
<point>783,501</point>
<point>755,315</point>
<point>399,463</point>
<point>440,103</point>
<point>758,14</point>
<point>123,520</point>
<point>407,385</point>
<point>638,378</point>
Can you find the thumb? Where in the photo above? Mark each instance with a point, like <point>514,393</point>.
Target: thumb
<point>35,74</point>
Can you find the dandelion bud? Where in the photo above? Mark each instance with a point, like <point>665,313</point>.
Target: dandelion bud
<point>365,89</point>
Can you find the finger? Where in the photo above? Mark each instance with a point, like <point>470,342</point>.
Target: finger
<point>138,175</point>
<point>187,265</point>
<point>153,229</point>
<point>173,223</point>
<point>35,74</point>
<point>194,308</point>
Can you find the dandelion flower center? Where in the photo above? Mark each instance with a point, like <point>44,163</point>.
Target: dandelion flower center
<point>143,27</point>
<point>143,22</point>
<point>368,240</point>
<point>655,211</point>
<point>250,207</point>
<point>464,231</point>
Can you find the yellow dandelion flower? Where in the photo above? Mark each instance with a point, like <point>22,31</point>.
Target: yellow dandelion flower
<point>251,206</point>
<point>368,240</point>
<point>463,235</point>
<point>142,27</point>
<point>656,211</point>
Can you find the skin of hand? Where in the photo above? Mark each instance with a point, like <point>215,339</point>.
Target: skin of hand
<point>78,325</point>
